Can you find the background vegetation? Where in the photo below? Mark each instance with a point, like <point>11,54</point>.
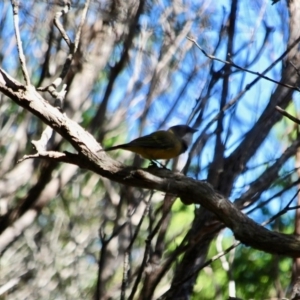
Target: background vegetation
<point>140,66</point>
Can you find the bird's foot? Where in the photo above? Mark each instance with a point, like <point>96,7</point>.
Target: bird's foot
<point>156,164</point>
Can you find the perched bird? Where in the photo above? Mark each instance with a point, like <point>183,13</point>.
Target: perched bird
<point>162,144</point>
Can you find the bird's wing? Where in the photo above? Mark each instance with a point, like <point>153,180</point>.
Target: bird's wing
<point>157,140</point>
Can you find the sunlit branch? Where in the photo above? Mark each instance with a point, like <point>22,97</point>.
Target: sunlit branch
<point>73,47</point>
<point>58,24</point>
<point>15,6</point>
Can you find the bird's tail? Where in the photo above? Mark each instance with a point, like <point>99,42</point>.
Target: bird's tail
<point>123,146</point>
<point>110,148</point>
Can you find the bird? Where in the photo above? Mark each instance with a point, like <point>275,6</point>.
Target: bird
<point>161,144</point>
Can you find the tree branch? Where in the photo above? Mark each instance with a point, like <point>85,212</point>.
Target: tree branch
<point>190,191</point>
<point>15,5</point>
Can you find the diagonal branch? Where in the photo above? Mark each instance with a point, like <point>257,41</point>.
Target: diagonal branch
<point>286,114</point>
<point>190,191</point>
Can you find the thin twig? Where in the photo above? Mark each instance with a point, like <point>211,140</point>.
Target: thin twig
<point>83,17</point>
<point>261,75</point>
<point>126,267</point>
<point>248,86</point>
<point>102,257</point>
<point>146,253</point>
<point>283,211</point>
<point>55,156</point>
<point>58,24</point>
<point>286,114</point>
<point>140,272</point>
<point>73,46</point>
<point>15,6</point>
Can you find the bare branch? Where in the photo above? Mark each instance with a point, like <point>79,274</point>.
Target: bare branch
<point>15,5</point>
<point>65,157</point>
<point>260,75</point>
<point>58,24</point>
<point>73,46</point>
<point>286,114</point>
<point>83,17</point>
<point>189,190</point>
